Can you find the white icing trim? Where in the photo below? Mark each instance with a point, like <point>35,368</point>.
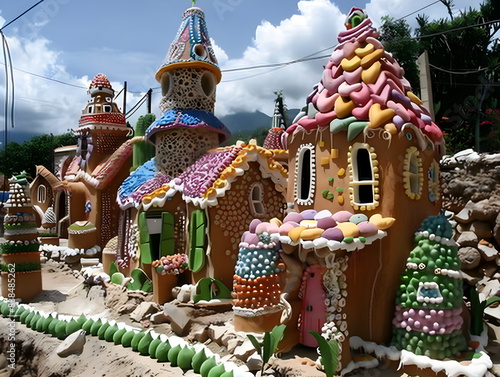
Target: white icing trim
<point>253,155</point>
<point>321,243</point>
<point>298,168</point>
<point>476,368</point>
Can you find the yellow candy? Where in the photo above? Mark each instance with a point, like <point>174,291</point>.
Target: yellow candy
<point>343,109</point>
<point>294,234</point>
<point>368,60</point>
<point>340,200</point>
<point>311,234</point>
<point>349,229</point>
<point>378,116</point>
<point>414,98</point>
<point>362,52</point>
<point>370,75</point>
<point>382,222</point>
<point>391,128</point>
<point>350,65</point>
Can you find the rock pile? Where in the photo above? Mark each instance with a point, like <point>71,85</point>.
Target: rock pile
<point>472,193</point>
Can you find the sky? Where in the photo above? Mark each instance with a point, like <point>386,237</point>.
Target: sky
<point>73,40</point>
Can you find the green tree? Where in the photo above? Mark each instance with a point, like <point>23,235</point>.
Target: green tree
<point>464,65</point>
<point>39,150</point>
<point>396,36</point>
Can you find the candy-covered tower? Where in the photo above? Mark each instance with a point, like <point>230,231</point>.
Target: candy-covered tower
<point>188,78</point>
<point>102,162</point>
<point>21,269</point>
<point>429,300</point>
<point>102,127</point>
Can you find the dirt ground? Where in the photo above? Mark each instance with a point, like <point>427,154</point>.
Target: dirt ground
<point>65,293</point>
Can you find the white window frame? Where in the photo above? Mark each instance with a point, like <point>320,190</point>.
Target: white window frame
<point>413,176</point>
<point>256,199</point>
<point>298,174</point>
<point>355,182</point>
<point>42,194</point>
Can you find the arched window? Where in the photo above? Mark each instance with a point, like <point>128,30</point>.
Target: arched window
<point>364,192</point>
<point>42,194</point>
<point>413,173</point>
<point>305,178</point>
<point>256,199</point>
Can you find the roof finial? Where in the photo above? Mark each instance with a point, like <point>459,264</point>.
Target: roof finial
<point>194,2</point>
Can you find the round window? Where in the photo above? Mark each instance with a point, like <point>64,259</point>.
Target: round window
<point>208,83</point>
<point>166,84</point>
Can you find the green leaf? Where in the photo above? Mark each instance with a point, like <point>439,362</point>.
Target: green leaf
<point>113,268</point>
<point>268,351</point>
<point>329,353</point>
<point>276,336</point>
<point>255,343</point>
<point>492,300</point>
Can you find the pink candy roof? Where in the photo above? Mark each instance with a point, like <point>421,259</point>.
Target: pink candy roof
<point>104,173</point>
<point>213,173</point>
<point>363,88</point>
<point>200,176</point>
<point>100,81</point>
<point>274,139</point>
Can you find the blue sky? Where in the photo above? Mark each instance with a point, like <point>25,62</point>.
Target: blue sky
<point>73,40</point>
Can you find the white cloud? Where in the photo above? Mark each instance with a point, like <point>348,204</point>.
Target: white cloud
<point>43,106</point>
<point>313,29</point>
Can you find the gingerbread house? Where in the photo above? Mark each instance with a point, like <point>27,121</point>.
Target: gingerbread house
<point>363,175</point>
<point>42,191</point>
<point>194,197</point>
<point>102,162</point>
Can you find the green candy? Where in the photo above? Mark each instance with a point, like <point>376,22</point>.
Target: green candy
<point>95,327</point>
<point>198,360</point>
<point>61,330</point>
<point>143,346</point>
<point>185,358</point>
<point>172,355</point>
<point>88,325</point>
<point>110,332</point>
<point>207,365</point>
<point>118,336</point>
<point>127,338</point>
<point>81,320</point>
<point>153,346</point>
<point>136,339</point>
<point>52,326</point>
<point>24,315</point>
<point>217,371</point>
<point>102,330</point>
<point>28,319</point>
<point>162,351</point>
<point>73,326</point>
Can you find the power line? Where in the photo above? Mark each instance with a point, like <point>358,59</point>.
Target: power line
<point>464,72</point>
<point>22,14</point>
<point>418,10</point>
<point>457,29</point>
<point>48,78</point>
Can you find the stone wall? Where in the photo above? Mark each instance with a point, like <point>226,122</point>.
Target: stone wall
<point>471,193</point>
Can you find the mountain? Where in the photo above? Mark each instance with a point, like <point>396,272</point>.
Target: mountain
<point>247,121</point>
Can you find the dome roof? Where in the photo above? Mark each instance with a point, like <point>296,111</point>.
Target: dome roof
<point>191,46</point>
<point>100,81</point>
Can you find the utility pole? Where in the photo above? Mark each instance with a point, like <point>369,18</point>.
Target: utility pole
<point>124,98</point>
<point>150,92</point>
